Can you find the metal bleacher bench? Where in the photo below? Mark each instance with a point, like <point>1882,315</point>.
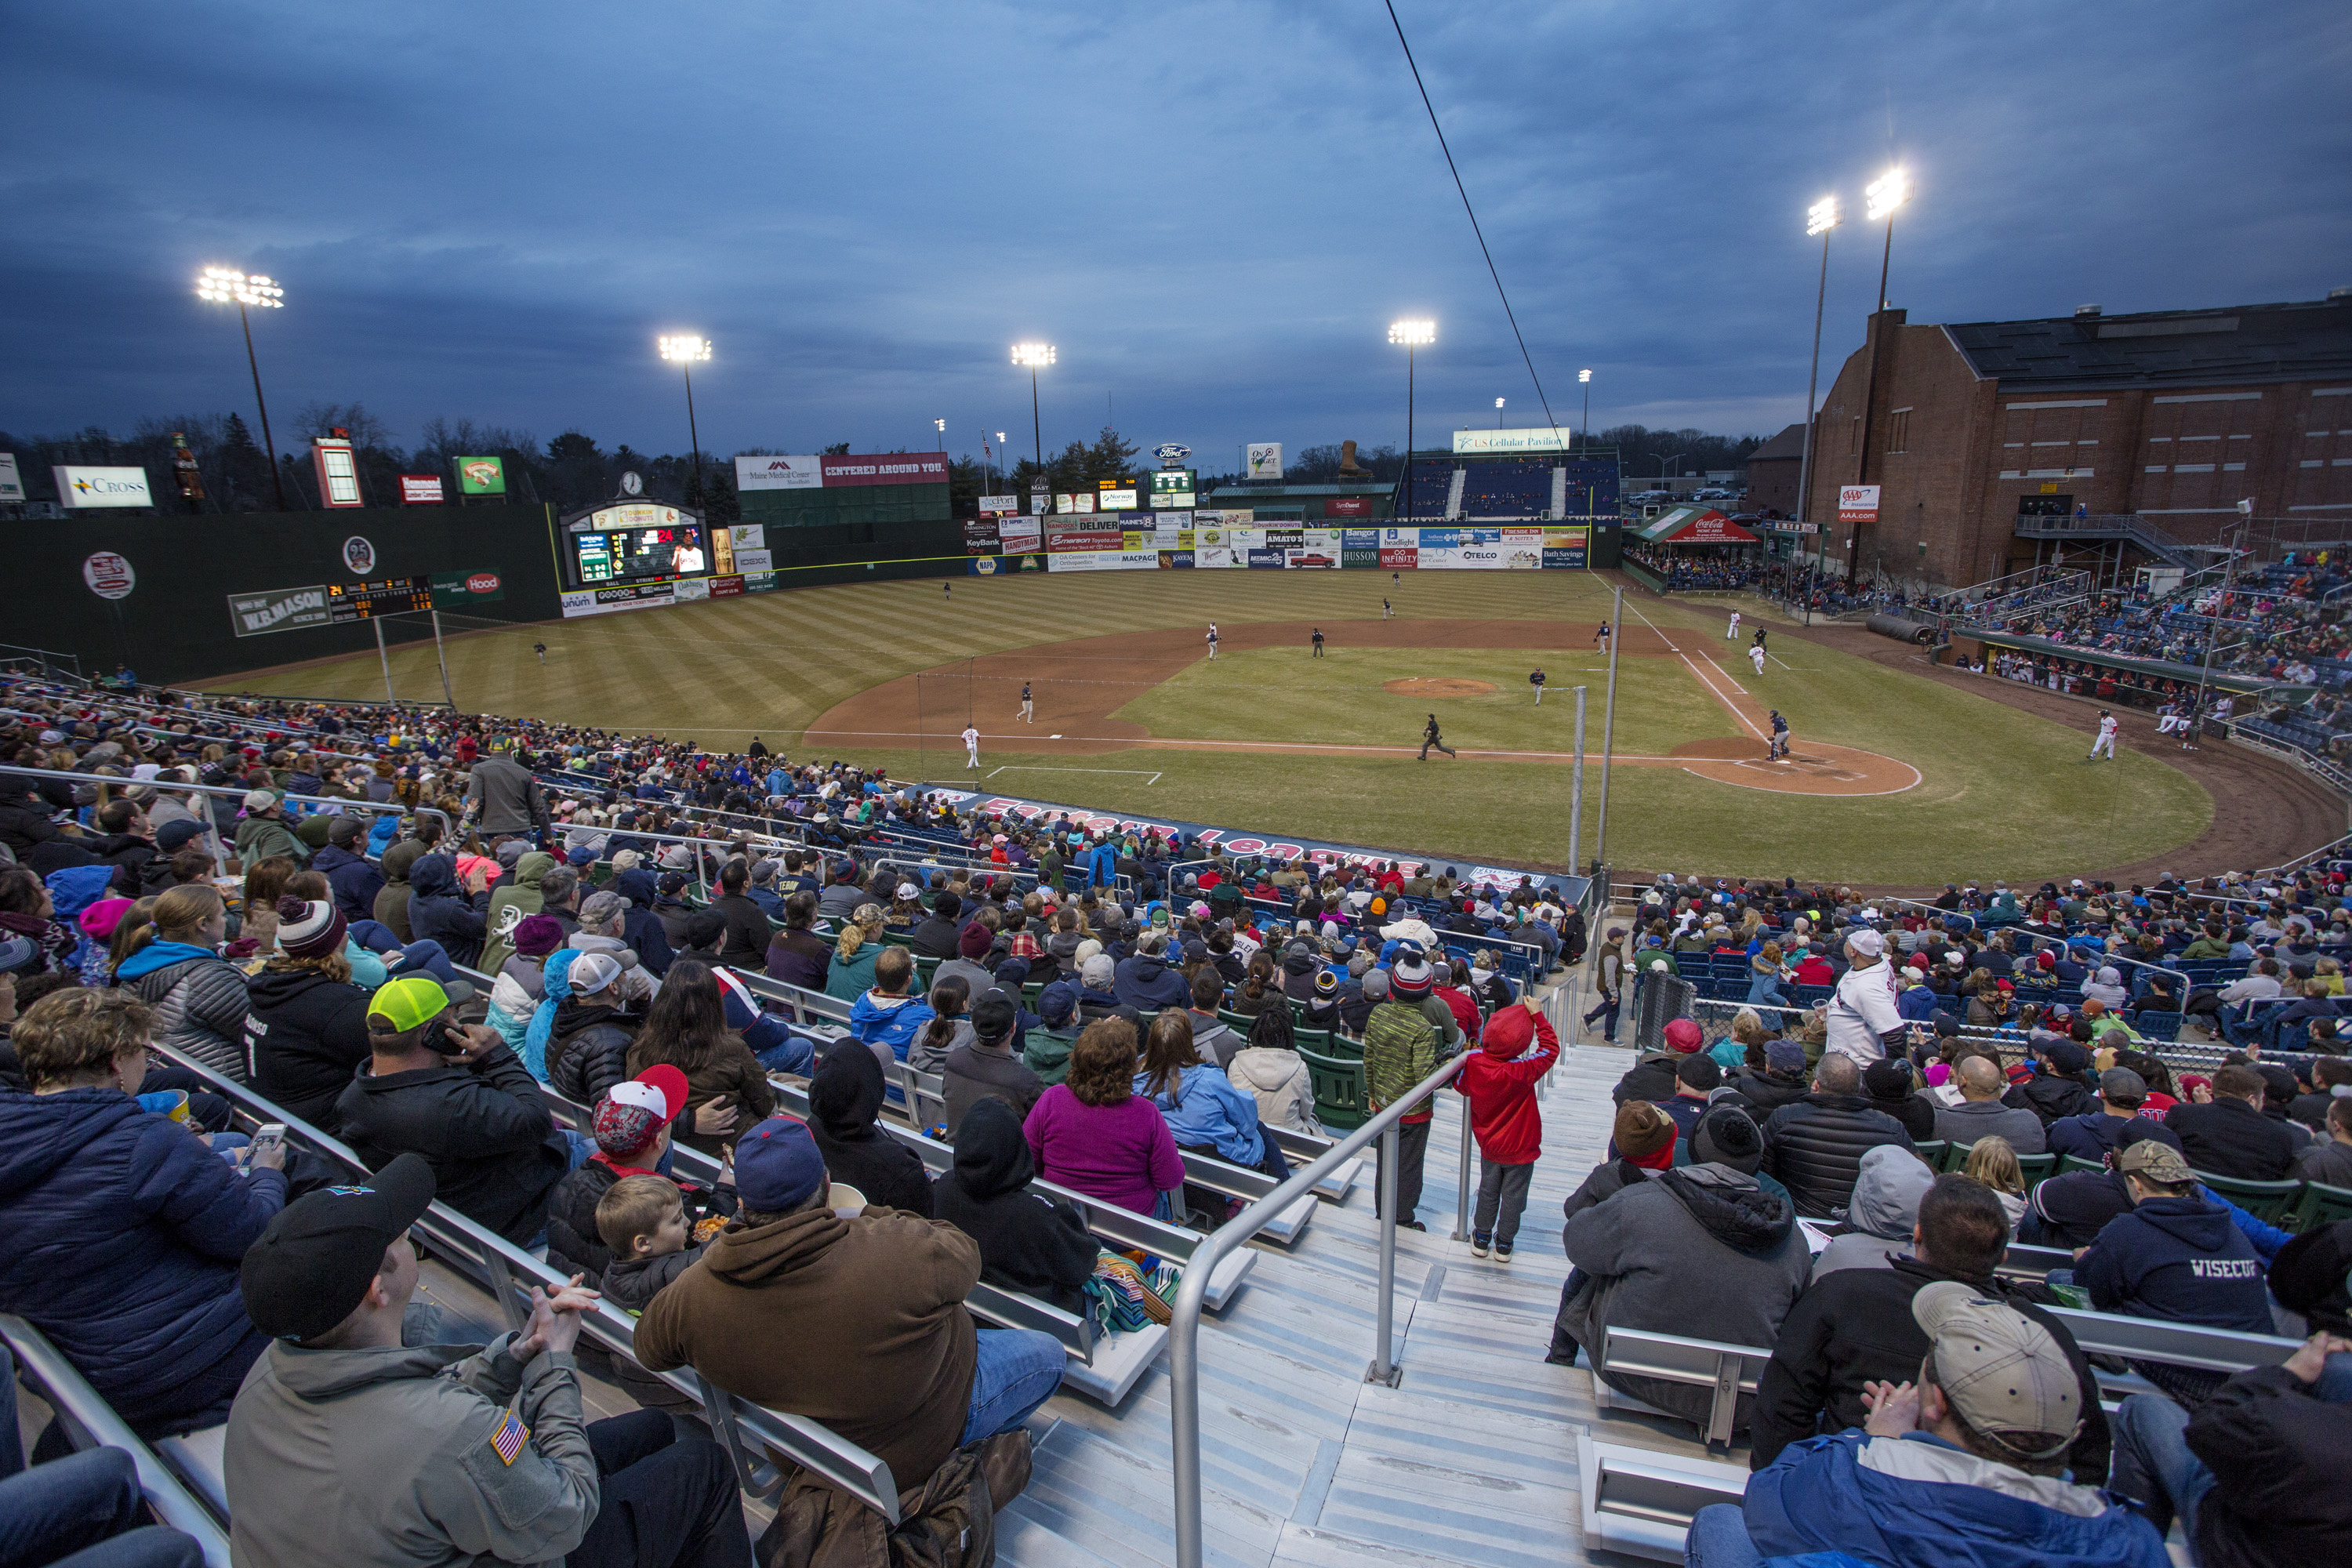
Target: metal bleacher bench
<point>91,1422</point>
<point>1728,1371</point>
<point>1640,1502</point>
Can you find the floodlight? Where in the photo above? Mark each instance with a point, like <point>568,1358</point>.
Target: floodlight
<point>1886,193</point>
<point>688,349</point>
<point>1413,334</point>
<point>1585,375</point>
<point>222,285</point>
<point>1033,354</point>
<point>1823,217</point>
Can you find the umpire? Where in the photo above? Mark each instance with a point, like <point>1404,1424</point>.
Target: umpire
<point>1429,737</point>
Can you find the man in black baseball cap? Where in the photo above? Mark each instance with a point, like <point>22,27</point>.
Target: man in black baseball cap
<point>347,1446</point>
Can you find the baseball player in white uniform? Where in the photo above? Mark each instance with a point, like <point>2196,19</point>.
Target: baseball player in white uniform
<point>1731,632</point>
<point>970,746</point>
<point>2106,741</point>
<point>1212,639</point>
<point>1756,657</point>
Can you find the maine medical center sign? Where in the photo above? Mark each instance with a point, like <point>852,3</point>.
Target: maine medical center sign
<point>834,471</point>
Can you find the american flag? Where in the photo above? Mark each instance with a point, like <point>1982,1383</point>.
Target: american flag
<point>508,1440</point>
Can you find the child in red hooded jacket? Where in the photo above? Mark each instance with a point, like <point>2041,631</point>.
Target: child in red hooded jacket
<point>1500,1081</point>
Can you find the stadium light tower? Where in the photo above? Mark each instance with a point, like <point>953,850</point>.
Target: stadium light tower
<point>1001,476</point>
<point>1886,193</point>
<point>1498,414</point>
<point>223,286</point>
<point>684,352</point>
<point>1820,218</point>
<point>1413,335</point>
<point>1585,378</point>
<point>1033,355</point>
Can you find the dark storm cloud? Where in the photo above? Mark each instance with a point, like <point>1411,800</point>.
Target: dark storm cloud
<point>1214,210</point>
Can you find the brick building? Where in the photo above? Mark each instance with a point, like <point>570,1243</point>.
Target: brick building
<point>1772,473</point>
<point>2170,417</point>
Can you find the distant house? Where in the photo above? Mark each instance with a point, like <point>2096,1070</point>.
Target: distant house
<point>1773,471</point>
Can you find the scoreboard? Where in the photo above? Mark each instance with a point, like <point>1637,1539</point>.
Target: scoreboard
<point>349,602</point>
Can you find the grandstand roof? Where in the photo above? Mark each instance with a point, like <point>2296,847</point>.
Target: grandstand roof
<point>2290,341</point>
<point>1692,525</point>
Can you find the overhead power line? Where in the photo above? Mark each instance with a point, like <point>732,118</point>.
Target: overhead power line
<point>1466,207</point>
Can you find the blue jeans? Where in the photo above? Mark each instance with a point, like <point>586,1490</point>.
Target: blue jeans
<point>796,1055</point>
<point>2152,1463</point>
<point>84,1509</point>
<point>1018,1371</point>
<point>1719,1539</point>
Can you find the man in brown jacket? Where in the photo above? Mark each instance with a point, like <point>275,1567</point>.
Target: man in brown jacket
<point>858,1323</point>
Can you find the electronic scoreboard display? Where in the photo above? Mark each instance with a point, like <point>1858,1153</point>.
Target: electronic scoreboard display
<point>348,601</point>
<point>637,542</point>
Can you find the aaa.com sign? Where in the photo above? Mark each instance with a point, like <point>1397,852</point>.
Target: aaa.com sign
<point>1858,503</point>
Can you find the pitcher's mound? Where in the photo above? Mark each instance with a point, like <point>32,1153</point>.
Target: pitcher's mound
<point>1439,685</point>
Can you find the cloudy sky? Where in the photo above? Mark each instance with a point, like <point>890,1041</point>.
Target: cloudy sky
<point>1213,209</point>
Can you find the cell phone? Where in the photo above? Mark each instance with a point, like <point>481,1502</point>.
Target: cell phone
<point>450,1040</point>
<point>270,1135</point>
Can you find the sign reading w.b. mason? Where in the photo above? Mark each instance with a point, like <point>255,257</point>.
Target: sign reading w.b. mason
<point>281,610</point>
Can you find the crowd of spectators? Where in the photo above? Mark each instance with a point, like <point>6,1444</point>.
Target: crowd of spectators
<point>1685,573</point>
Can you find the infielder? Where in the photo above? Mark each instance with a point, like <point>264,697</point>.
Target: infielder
<point>970,746</point>
<point>1732,631</point>
<point>1385,611</point>
<point>2107,740</point>
<point>1212,639</point>
<point>1318,642</point>
<point>1028,706</point>
<point>1536,681</point>
<point>1601,636</point>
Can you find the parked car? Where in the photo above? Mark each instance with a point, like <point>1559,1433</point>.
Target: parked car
<point>1713,494</point>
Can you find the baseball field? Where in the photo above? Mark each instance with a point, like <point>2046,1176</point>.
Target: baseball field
<point>1899,775</point>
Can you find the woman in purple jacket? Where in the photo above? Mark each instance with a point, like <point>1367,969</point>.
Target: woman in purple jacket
<point>1094,1134</point>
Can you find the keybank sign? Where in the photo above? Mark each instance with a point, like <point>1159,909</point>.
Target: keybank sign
<point>279,610</point>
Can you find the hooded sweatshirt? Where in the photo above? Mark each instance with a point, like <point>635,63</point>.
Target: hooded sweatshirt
<point>882,1350</point>
<point>1641,1250</point>
<point>1027,1243</point>
<point>1278,1079</point>
<point>1501,1085</point>
<point>1146,982</point>
<point>1885,1211</point>
<point>439,910</point>
<point>392,904</point>
<point>641,927</point>
<point>376,1457</point>
<point>891,1021</point>
<point>2181,1259</point>
<point>845,1099</point>
<point>510,903</point>
<point>305,1036</point>
<point>124,1235</point>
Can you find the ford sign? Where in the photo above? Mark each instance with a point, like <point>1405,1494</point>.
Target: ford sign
<point>1172,454</point>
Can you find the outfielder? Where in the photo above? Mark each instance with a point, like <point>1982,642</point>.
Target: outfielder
<point>2107,740</point>
<point>1318,642</point>
<point>970,746</point>
<point>1028,706</point>
<point>1212,639</point>
<point>1536,681</point>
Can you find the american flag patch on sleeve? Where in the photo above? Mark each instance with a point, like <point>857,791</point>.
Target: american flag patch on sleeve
<point>508,1440</point>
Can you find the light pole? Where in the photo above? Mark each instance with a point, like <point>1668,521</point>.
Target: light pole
<point>1413,335</point>
<point>1585,377</point>
<point>1033,355</point>
<point>1002,477</point>
<point>1677,460</point>
<point>684,351</point>
<point>1498,414</point>
<point>1885,194</point>
<point>221,286</point>
<point>1820,218</point>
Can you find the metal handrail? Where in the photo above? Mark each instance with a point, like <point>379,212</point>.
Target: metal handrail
<point>1184,1327</point>
<point>70,1394</point>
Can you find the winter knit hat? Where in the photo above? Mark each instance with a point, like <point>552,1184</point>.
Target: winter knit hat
<point>974,942</point>
<point>536,936</point>
<point>1410,975</point>
<point>1327,983</point>
<point>1726,1136</point>
<point>1644,1135</point>
<point>309,930</point>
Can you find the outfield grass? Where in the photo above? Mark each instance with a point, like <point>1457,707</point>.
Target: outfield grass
<point>2004,794</point>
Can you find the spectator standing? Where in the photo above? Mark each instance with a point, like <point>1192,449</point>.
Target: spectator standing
<point>1499,1082</point>
<point>503,797</point>
<point>1400,1050</point>
<point>123,1228</point>
<point>1862,1021</point>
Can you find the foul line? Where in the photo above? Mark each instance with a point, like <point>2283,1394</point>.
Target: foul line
<point>1149,779</point>
<point>1720,697</point>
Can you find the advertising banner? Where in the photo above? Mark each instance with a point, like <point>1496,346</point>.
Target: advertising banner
<point>481,475</point>
<point>1858,503</point>
<point>456,590</point>
<point>726,587</point>
<point>1076,500</point>
<point>748,535</point>
<point>12,483</point>
<point>1542,438</point>
<point>1346,506</point>
<point>1076,540</point>
<point>109,575</point>
<point>998,506</point>
<point>621,596</point>
<point>1103,561</point>
<point>1318,560</point>
<point>759,581</point>
<point>1360,539</point>
<point>1275,559</point>
<point>1179,560</point>
<point>1264,459</point>
<point>774,473</point>
<point>1241,519</point>
<point>750,560</point>
<point>1109,499</point>
<point>886,469</point>
<point>1566,547</point>
<point>280,610</point>
<point>1394,556</point>
<point>1209,557</point>
<point>686,588</point>
<point>1017,534</point>
<point>1286,538</point>
<point>979,536</point>
<point>420,490</point>
<point>84,489</point>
